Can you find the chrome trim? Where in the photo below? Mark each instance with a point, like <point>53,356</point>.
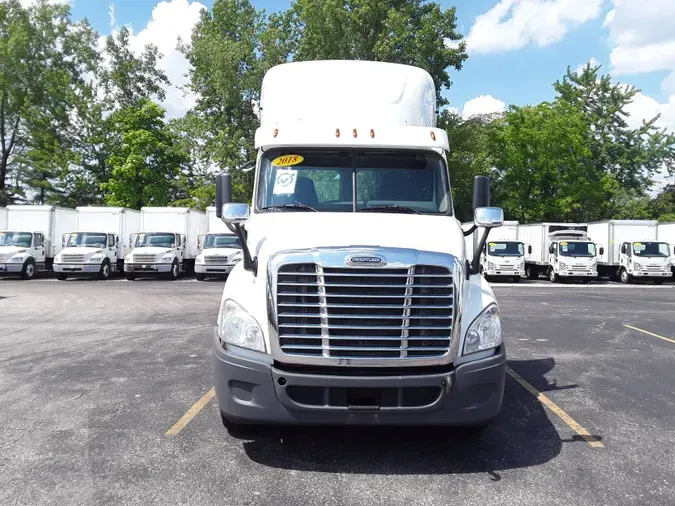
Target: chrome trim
<point>397,258</point>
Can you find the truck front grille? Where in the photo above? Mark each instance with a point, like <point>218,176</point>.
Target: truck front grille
<point>72,259</point>
<point>365,313</point>
<point>6,257</point>
<point>141,258</point>
<point>215,260</point>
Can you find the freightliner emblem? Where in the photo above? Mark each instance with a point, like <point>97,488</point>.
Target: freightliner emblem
<point>375,261</point>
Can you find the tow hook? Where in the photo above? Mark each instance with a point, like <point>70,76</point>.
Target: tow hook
<point>446,383</point>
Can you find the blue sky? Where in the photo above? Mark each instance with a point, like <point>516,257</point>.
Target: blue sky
<point>517,48</point>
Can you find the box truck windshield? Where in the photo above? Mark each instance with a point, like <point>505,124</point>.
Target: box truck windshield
<point>577,249</point>
<point>506,249</point>
<point>87,239</point>
<point>22,239</point>
<point>651,249</point>
<point>160,239</point>
<point>354,180</point>
<point>221,241</point>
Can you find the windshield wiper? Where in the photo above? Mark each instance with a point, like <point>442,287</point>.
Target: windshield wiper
<point>392,207</point>
<point>304,207</point>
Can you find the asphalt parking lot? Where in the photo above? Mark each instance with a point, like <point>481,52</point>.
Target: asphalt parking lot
<point>105,398</point>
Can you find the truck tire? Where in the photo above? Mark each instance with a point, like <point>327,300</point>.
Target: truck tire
<point>61,276</point>
<point>516,279</point>
<point>625,277</point>
<point>239,430</point>
<point>552,276</point>
<point>28,270</point>
<point>531,272</point>
<point>104,273</point>
<point>200,276</point>
<point>130,277</point>
<point>175,270</point>
<point>659,281</point>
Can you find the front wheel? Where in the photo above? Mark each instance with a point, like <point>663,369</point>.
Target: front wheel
<point>516,279</point>
<point>552,276</point>
<point>175,269</point>
<point>531,272</point>
<point>61,277</point>
<point>130,277</point>
<point>28,270</point>
<point>659,281</point>
<point>199,276</point>
<point>104,273</point>
<point>625,277</point>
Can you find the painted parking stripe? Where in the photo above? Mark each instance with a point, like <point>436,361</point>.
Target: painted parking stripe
<point>571,423</point>
<point>191,413</point>
<point>650,333</point>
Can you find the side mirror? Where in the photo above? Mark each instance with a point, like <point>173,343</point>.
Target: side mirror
<point>481,192</point>
<point>529,249</point>
<point>235,214</point>
<point>200,242</point>
<point>623,248</point>
<point>488,217</point>
<point>551,249</point>
<point>601,251</point>
<point>223,192</point>
<point>64,240</point>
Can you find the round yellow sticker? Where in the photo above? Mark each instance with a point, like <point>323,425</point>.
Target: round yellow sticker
<point>564,243</point>
<point>287,160</point>
<point>493,244</point>
<point>638,244</point>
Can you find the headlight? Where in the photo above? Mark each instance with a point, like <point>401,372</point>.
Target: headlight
<point>128,258</point>
<point>96,258</point>
<point>166,258</point>
<point>17,259</point>
<point>563,265</point>
<point>637,265</point>
<point>237,327</point>
<point>485,332</point>
<point>57,258</point>
<point>199,259</point>
<point>491,265</point>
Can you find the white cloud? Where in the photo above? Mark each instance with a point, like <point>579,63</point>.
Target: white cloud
<point>111,15</point>
<point>171,20</point>
<point>592,61</point>
<point>484,104</point>
<point>513,24</point>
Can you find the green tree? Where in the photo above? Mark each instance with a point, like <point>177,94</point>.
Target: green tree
<point>43,59</point>
<point>414,32</point>
<point>542,170</point>
<point>145,157</point>
<point>663,206</point>
<point>632,156</point>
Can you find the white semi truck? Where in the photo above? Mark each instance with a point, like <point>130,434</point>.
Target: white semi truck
<point>559,250</point>
<point>219,249</point>
<point>355,302</point>
<point>167,242</point>
<point>32,238</point>
<point>503,256</point>
<point>97,246</point>
<point>632,250</point>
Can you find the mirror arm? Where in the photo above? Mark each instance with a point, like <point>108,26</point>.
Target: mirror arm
<point>475,263</point>
<point>470,231</point>
<point>250,264</point>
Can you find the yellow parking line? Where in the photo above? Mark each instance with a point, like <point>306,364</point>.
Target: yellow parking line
<point>650,333</point>
<point>592,441</point>
<point>196,408</point>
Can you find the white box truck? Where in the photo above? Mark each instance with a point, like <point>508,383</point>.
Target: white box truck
<point>559,250</point>
<point>167,242</point>
<point>97,246</point>
<point>503,256</point>
<point>32,238</point>
<point>632,250</point>
<point>3,218</point>
<point>219,249</point>
<point>665,232</point>
<point>355,302</point>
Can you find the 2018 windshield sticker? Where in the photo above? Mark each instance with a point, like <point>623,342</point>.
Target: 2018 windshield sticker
<point>284,184</point>
<point>287,160</point>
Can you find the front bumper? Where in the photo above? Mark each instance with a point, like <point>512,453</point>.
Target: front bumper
<point>10,268</point>
<point>146,268</point>
<point>578,274</point>
<point>77,268</point>
<point>213,268</point>
<point>653,274</point>
<point>499,272</point>
<point>251,391</point>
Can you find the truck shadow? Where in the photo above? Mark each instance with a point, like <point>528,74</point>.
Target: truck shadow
<point>522,436</point>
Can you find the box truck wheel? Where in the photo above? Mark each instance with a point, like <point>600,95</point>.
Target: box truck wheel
<point>130,277</point>
<point>531,272</point>
<point>28,270</point>
<point>200,276</point>
<point>61,276</point>
<point>625,277</point>
<point>104,273</point>
<point>236,429</point>
<point>552,276</point>
<point>175,269</point>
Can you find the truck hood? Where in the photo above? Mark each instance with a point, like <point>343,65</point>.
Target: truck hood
<point>150,250</point>
<point>273,232</point>
<point>81,250</point>
<point>10,250</point>
<point>220,252</point>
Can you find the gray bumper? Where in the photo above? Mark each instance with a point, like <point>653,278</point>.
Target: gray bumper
<point>11,268</point>
<point>146,268</point>
<point>77,268</point>
<point>213,269</point>
<point>652,274</point>
<point>256,392</point>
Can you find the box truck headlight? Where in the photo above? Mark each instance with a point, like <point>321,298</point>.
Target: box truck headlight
<point>485,332</point>
<point>128,258</point>
<point>199,259</point>
<point>237,327</point>
<point>166,258</point>
<point>563,265</point>
<point>96,258</point>
<point>491,265</point>
<point>637,266</point>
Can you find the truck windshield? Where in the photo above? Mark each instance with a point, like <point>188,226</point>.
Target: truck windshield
<point>222,241</point>
<point>353,181</point>
<point>160,239</point>
<point>577,249</point>
<point>650,249</point>
<point>22,239</point>
<point>506,249</point>
<point>87,239</point>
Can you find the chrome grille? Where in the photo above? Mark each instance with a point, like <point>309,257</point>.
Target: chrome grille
<point>72,259</point>
<point>364,313</point>
<point>6,257</point>
<point>215,260</point>
<point>506,267</point>
<point>145,258</point>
